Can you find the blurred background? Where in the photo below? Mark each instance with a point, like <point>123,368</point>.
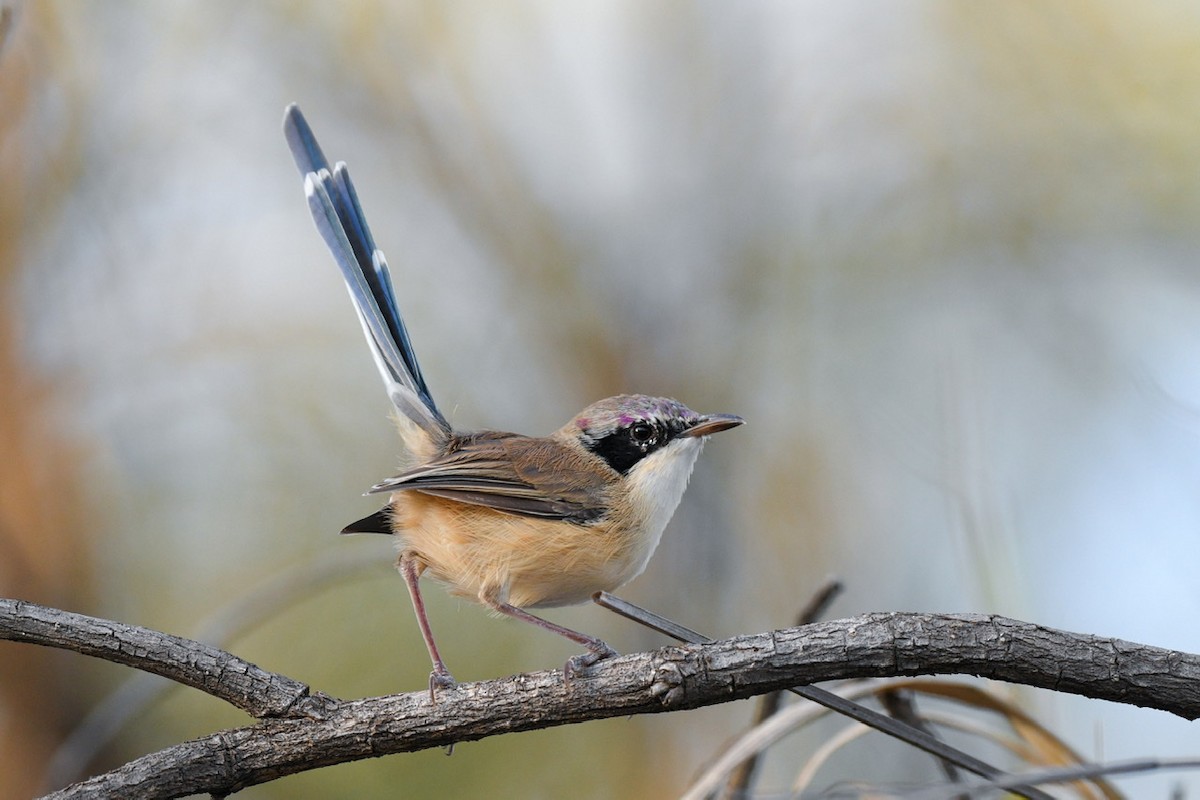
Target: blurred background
<point>944,257</point>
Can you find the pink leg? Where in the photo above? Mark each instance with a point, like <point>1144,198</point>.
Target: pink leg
<point>597,649</point>
<point>411,569</point>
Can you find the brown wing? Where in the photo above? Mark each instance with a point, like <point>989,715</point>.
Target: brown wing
<point>511,473</point>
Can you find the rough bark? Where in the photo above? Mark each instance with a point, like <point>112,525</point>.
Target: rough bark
<point>300,730</point>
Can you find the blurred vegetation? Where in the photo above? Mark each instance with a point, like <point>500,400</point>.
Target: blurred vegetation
<point>942,256</point>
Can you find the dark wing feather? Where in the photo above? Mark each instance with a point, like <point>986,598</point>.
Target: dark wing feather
<point>557,483</point>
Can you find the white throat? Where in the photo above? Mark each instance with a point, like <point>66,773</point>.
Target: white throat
<point>656,485</point>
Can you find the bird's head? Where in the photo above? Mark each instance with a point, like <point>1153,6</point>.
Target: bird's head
<point>628,429</point>
<point>651,443</point>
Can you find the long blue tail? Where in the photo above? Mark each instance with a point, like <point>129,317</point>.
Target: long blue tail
<point>334,206</point>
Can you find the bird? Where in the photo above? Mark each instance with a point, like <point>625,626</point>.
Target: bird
<point>512,522</point>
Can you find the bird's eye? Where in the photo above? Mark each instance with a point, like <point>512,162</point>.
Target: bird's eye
<point>642,432</point>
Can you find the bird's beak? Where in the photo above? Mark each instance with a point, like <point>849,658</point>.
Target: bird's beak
<point>713,423</point>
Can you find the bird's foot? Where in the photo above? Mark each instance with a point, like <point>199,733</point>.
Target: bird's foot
<point>580,663</point>
<point>440,679</point>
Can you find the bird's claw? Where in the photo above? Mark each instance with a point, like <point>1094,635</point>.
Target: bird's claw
<point>668,685</point>
<point>440,679</point>
<point>581,662</point>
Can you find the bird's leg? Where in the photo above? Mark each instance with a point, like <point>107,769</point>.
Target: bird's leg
<point>597,649</point>
<point>411,568</point>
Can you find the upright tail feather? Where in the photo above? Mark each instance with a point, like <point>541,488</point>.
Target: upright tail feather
<point>340,221</point>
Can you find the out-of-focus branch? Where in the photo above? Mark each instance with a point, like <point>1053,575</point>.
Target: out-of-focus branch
<point>95,731</point>
<point>741,778</point>
<point>308,731</point>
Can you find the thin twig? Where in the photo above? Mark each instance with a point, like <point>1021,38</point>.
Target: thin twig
<point>1070,774</point>
<point>742,777</point>
<point>900,704</point>
<point>142,690</point>
<point>899,730</point>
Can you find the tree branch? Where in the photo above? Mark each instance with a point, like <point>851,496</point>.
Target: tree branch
<point>303,731</point>
<point>259,693</point>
